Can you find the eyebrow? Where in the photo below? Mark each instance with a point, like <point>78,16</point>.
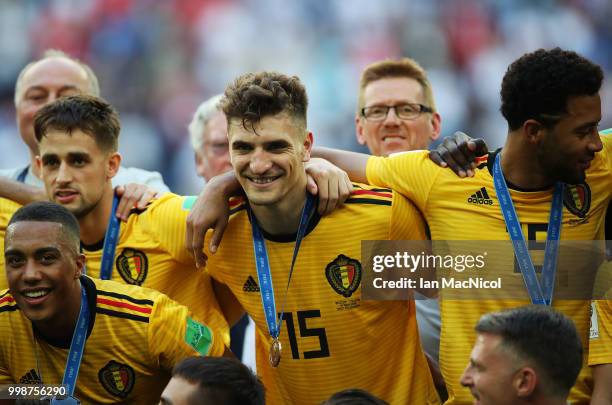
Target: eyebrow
<point>39,87</point>
<point>71,155</point>
<point>240,143</point>
<point>37,252</point>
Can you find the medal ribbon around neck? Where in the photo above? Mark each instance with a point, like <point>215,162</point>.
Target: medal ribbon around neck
<point>263,267</point>
<point>540,294</point>
<point>110,242</point>
<point>77,345</point>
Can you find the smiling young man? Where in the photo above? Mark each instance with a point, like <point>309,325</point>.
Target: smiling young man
<point>550,99</point>
<point>329,338</point>
<point>78,139</point>
<point>516,358</point>
<point>132,336</point>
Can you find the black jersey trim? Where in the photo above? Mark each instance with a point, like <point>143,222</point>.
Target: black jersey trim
<point>9,308</point>
<point>123,315</point>
<point>368,201</point>
<point>125,297</point>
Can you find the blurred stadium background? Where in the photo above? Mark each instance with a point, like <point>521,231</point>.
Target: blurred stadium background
<point>157,60</point>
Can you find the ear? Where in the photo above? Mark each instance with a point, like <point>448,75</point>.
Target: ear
<point>307,146</point>
<point>525,382</point>
<point>80,262</point>
<point>113,164</point>
<point>38,164</point>
<point>534,131</point>
<point>359,130</point>
<point>436,125</point>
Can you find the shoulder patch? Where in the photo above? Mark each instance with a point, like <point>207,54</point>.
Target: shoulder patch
<point>198,336</point>
<point>133,266</point>
<point>117,378</point>
<point>606,131</point>
<point>188,202</point>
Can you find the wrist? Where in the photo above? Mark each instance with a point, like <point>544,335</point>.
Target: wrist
<point>224,184</point>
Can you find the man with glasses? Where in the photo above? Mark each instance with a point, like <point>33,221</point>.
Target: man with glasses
<point>396,112</point>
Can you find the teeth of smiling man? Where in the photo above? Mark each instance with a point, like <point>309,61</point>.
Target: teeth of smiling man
<point>263,180</point>
<point>36,294</point>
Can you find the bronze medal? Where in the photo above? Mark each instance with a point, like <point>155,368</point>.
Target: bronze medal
<point>275,352</point>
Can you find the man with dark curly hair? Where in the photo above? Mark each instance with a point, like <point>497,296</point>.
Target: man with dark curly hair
<point>554,172</point>
<point>299,274</point>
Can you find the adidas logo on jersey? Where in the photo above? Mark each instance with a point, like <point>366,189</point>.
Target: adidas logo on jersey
<point>481,197</point>
<point>30,378</point>
<point>250,285</point>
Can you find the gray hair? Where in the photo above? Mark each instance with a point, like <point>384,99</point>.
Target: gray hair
<point>201,117</point>
<point>94,86</point>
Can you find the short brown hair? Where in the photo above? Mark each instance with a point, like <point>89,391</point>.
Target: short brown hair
<point>402,68</point>
<point>89,114</point>
<point>254,96</point>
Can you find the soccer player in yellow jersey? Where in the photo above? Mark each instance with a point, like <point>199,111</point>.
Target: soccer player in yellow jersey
<point>78,138</point>
<point>330,339</point>
<point>551,101</point>
<point>132,336</point>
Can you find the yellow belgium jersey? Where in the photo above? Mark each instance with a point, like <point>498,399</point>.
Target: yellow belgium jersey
<point>331,339</point>
<point>151,253</point>
<point>135,337</point>
<point>468,209</point>
<point>7,209</point>
<point>600,342</point>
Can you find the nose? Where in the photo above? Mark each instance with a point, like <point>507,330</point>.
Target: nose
<point>64,175</point>
<point>595,145</point>
<point>260,162</point>
<point>466,378</point>
<point>391,118</point>
<point>31,273</point>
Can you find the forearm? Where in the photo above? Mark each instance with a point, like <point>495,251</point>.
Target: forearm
<point>226,184</point>
<point>351,162</point>
<point>19,192</point>
<point>602,391</point>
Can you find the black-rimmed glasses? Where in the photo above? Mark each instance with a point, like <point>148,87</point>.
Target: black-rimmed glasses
<point>407,111</point>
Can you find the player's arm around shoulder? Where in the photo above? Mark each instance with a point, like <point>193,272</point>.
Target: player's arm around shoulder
<point>410,173</point>
<point>174,334</point>
<point>407,222</point>
<point>165,221</point>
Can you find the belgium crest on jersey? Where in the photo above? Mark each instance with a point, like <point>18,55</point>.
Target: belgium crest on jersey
<point>117,378</point>
<point>132,265</point>
<point>344,275</point>
<point>577,199</point>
